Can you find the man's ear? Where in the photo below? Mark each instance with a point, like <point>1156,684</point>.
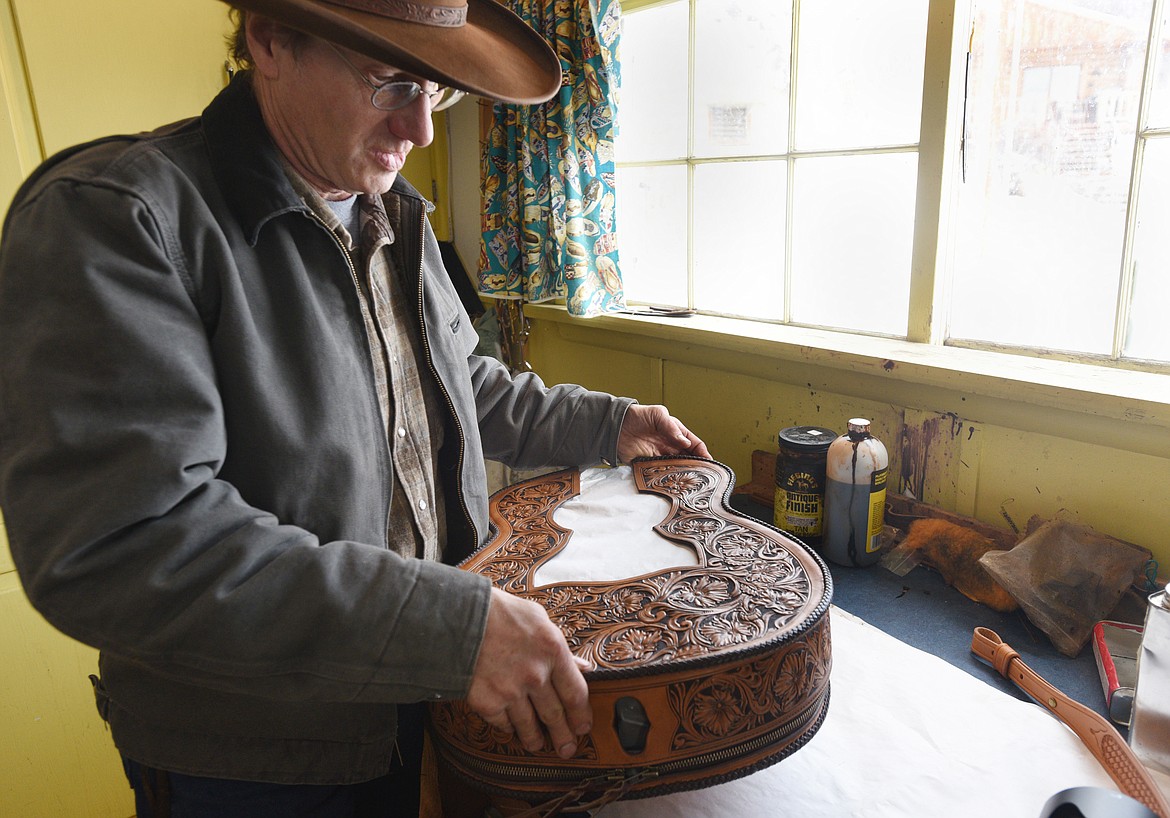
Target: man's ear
<point>269,43</point>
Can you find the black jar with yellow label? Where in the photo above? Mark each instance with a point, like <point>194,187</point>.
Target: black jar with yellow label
<point>799,507</point>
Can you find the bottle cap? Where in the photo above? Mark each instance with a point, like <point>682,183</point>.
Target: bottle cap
<point>858,428</point>
<point>814,438</point>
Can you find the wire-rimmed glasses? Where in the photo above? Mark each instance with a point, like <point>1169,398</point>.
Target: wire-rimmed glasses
<point>397,94</point>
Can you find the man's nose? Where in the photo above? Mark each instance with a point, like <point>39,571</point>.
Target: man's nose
<point>414,122</point>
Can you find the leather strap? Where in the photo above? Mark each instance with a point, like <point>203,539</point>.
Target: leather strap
<point>1101,737</point>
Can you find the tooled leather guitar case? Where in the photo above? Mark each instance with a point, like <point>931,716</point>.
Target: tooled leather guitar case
<point>703,673</point>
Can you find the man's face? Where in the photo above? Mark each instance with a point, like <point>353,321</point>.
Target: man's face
<point>319,111</point>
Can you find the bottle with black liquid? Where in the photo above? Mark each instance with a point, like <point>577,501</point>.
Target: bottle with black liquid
<point>856,469</point>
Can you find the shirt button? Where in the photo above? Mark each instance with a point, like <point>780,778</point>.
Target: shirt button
<point>422,504</point>
<point>402,431</point>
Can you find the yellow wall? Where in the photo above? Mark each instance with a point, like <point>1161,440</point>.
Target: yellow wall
<point>115,66</point>
<point>71,71</point>
<point>56,758</point>
<point>19,145</point>
<point>428,170</point>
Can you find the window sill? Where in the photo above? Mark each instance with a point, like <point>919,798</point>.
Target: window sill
<point>1095,403</point>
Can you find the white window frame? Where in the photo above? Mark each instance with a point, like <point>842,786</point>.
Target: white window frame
<point>938,149</point>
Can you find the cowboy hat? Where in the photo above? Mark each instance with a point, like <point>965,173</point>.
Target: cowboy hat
<point>473,45</point>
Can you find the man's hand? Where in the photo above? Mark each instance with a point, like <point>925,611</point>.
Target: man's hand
<point>650,431</point>
<point>526,676</point>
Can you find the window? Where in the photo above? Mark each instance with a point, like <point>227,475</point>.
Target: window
<point>772,158</point>
<point>781,178</point>
<point>1052,136</point>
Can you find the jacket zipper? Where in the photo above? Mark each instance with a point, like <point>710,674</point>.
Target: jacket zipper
<point>367,321</point>
<point>422,234</point>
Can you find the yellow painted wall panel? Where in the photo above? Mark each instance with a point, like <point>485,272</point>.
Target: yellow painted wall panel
<point>734,414</point>
<point>5,552</point>
<point>56,757</point>
<point>737,414</point>
<point>560,361</point>
<point>428,169</point>
<point>12,172</point>
<point>1118,493</point>
<point>119,66</point>
<point>19,146</point>
<point>463,132</point>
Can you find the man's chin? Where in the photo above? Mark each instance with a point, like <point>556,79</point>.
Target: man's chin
<point>379,184</point>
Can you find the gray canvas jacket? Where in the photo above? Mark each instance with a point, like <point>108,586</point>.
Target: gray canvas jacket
<point>194,473</point>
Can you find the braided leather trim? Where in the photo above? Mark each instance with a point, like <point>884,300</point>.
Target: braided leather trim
<point>425,13</point>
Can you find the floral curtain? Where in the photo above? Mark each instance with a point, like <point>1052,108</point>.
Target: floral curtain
<point>548,170</point>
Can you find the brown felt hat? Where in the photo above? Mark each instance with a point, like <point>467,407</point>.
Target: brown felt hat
<point>474,45</point>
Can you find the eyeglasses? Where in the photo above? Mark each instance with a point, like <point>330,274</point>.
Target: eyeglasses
<point>397,94</point>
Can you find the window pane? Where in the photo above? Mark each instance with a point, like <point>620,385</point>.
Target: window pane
<point>1160,98</point>
<point>852,231</point>
<point>652,219</point>
<point>859,75</point>
<point>654,85</point>
<point>741,77</point>
<point>739,238</point>
<point>1051,113</point>
<point>1149,331</point>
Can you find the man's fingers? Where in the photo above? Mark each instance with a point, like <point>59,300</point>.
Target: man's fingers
<point>649,431</point>
<point>523,719</point>
<point>698,447</point>
<point>549,708</point>
<point>570,688</point>
<point>498,720</point>
<point>583,663</point>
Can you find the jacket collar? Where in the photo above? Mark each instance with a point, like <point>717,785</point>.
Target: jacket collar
<point>244,158</point>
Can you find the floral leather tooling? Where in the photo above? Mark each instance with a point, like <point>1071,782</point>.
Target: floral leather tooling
<point>703,673</point>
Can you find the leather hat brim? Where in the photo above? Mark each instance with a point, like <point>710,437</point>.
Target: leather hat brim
<point>494,54</point>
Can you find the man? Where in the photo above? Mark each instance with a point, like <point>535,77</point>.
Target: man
<point>242,431</point>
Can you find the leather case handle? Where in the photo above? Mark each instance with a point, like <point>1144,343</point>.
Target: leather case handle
<point>1101,737</point>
